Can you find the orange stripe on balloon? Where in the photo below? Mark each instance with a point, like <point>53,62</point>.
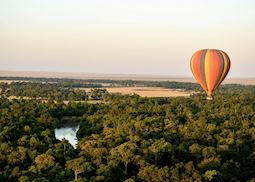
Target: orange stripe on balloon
<point>195,62</point>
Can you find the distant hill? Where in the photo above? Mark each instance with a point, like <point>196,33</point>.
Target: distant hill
<point>245,81</point>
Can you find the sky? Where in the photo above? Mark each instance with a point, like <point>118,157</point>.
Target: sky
<point>156,37</point>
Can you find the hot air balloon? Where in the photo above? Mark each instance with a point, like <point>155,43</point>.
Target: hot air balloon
<point>210,67</point>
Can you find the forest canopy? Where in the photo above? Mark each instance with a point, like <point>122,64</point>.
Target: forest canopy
<point>127,137</point>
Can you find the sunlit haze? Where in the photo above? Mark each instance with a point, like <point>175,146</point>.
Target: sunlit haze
<point>124,36</point>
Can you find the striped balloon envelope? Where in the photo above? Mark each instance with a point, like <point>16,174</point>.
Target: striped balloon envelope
<point>210,67</point>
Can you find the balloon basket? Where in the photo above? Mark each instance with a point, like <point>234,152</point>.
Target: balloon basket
<point>209,97</point>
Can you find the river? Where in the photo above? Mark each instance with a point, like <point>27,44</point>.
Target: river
<point>67,132</point>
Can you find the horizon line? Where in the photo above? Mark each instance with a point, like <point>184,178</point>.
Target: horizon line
<point>110,74</point>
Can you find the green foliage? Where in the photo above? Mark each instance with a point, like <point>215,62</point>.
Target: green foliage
<point>130,138</point>
<point>43,91</point>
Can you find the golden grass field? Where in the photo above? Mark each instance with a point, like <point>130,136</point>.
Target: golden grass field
<point>147,91</point>
<point>142,91</point>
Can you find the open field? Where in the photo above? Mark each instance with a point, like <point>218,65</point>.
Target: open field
<point>147,91</point>
<point>10,81</point>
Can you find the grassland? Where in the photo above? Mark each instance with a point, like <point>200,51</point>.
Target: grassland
<point>147,91</point>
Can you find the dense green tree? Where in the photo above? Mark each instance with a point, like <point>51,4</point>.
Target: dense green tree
<point>78,166</point>
<point>124,153</point>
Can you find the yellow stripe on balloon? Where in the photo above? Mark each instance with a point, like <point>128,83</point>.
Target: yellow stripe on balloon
<point>208,56</point>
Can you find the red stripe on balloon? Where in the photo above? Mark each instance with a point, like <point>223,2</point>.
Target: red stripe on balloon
<point>215,63</point>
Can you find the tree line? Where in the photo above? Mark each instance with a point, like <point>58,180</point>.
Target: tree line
<point>98,83</point>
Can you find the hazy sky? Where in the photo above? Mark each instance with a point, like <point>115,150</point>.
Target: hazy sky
<point>124,36</point>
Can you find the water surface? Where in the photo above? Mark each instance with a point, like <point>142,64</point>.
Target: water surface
<point>67,132</point>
